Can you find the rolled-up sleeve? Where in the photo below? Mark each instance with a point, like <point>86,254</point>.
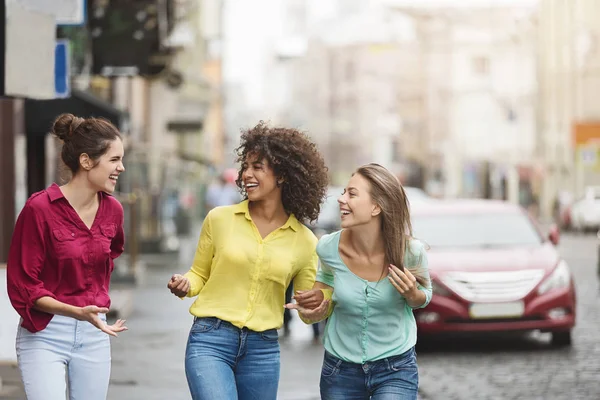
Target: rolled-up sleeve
<point>325,274</point>
<point>200,270</point>
<point>422,270</point>
<point>25,262</point>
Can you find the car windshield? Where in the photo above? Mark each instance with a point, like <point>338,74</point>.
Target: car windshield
<point>475,230</point>
<point>415,194</point>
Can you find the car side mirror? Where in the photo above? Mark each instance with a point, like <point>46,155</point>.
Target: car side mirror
<point>554,235</point>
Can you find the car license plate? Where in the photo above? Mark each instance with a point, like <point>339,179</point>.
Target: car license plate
<point>513,309</point>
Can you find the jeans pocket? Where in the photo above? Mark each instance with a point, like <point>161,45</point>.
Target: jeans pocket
<point>329,368</point>
<point>270,335</point>
<point>202,325</point>
<point>405,361</point>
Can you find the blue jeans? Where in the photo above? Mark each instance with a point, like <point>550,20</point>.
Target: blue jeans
<point>223,362</point>
<point>70,346</point>
<point>393,378</point>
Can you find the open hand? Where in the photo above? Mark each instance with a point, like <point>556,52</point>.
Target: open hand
<point>179,285</point>
<point>90,314</point>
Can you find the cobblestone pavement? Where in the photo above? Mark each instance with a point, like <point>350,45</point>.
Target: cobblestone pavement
<point>524,367</point>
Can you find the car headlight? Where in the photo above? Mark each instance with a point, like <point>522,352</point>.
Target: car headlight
<point>558,279</point>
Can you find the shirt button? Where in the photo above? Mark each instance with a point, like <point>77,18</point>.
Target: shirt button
<point>72,234</point>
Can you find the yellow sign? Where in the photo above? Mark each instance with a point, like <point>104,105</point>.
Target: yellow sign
<point>588,156</point>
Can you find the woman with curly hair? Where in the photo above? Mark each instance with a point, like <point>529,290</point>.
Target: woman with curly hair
<point>247,255</point>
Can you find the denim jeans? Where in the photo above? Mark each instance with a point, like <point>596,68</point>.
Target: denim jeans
<point>393,378</point>
<point>65,346</point>
<point>223,362</point>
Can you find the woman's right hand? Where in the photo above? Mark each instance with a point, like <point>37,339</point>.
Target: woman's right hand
<point>179,285</point>
<point>90,314</point>
<point>313,315</point>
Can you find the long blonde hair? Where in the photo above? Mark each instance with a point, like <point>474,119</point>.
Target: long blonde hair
<point>396,229</point>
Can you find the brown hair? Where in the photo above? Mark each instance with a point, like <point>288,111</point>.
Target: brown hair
<point>295,159</point>
<point>387,192</point>
<point>83,135</point>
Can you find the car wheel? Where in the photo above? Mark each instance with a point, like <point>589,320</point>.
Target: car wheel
<point>561,339</point>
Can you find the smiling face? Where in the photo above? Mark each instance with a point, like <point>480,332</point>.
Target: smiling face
<point>259,179</point>
<point>104,174</point>
<point>356,204</point>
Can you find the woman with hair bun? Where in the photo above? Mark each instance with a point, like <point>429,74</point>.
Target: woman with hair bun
<point>59,265</point>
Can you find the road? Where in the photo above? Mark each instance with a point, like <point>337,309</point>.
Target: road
<point>525,368</point>
<point>148,359</point>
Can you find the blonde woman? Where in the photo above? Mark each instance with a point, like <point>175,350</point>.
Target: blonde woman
<point>372,275</point>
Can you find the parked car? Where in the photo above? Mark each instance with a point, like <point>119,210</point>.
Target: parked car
<point>584,213</point>
<point>329,218</point>
<point>493,271</point>
<point>415,195</point>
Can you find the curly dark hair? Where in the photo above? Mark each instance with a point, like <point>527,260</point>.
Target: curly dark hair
<point>295,159</point>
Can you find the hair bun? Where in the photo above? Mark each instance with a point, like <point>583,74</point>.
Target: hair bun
<point>65,125</point>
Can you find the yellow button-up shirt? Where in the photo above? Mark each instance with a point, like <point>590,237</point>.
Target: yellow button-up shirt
<point>240,277</point>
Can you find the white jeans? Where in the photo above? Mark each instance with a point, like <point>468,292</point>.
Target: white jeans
<point>66,345</point>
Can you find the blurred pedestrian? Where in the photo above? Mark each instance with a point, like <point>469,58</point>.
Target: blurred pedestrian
<point>223,192</point>
<point>59,265</point>
<point>378,274</point>
<point>247,255</point>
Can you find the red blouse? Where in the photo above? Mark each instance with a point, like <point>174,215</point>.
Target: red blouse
<point>53,253</point>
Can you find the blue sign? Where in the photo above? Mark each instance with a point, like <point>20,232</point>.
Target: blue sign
<point>62,60</point>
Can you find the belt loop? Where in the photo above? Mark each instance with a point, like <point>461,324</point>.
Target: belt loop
<point>218,324</point>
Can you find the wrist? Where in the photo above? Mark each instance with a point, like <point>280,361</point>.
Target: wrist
<point>413,297</point>
<point>75,312</point>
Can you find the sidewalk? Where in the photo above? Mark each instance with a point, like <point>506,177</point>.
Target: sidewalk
<point>148,360</point>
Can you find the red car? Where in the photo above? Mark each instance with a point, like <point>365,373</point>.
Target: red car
<point>492,271</point>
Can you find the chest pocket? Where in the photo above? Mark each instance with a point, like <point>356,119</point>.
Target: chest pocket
<point>280,266</point>
<point>64,244</point>
<point>108,233</point>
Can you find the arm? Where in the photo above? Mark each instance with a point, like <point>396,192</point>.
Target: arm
<point>322,291</point>
<point>200,270</point>
<point>414,283</point>
<point>423,282</point>
<point>117,245</point>
<point>26,290</point>
<point>25,262</point>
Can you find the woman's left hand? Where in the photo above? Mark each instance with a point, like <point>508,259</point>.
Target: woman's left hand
<point>404,282</point>
<point>118,326</point>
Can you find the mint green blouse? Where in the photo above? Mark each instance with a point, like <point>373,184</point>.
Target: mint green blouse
<point>370,320</point>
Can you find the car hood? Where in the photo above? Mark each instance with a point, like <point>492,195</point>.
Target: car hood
<point>512,258</point>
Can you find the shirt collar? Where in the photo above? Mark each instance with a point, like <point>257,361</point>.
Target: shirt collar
<point>54,192</point>
<point>242,208</point>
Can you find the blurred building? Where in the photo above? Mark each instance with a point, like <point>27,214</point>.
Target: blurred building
<point>480,84</point>
<point>569,88</point>
<point>152,67</point>
<point>444,96</point>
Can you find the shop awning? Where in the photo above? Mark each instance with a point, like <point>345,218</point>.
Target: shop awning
<point>40,114</point>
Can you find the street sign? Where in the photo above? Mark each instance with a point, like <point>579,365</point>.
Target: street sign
<point>589,156</point>
<point>62,60</point>
<point>66,12</point>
